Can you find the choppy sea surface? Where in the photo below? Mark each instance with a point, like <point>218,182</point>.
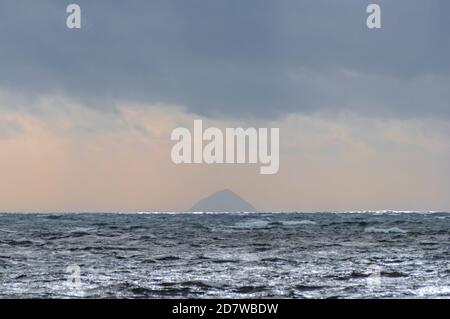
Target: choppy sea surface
<point>244,255</point>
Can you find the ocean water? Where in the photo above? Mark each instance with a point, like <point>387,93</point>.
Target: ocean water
<point>246,255</point>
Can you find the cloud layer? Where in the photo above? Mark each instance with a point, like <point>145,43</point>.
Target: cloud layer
<point>233,58</point>
<point>69,162</point>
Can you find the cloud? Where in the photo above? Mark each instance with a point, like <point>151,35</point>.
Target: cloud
<point>232,58</point>
<point>76,158</point>
<point>8,128</point>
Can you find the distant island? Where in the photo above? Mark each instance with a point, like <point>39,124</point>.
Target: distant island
<point>223,201</point>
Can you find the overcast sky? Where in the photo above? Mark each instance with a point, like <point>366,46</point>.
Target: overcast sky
<point>258,58</point>
<point>72,100</point>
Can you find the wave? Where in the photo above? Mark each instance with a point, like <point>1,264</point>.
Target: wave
<point>7,231</point>
<point>251,289</point>
<point>168,258</point>
<point>299,222</point>
<point>258,223</point>
<point>252,223</point>
<point>309,287</point>
<point>385,230</point>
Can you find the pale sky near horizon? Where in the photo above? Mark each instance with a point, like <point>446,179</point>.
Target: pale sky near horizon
<point>86,115</point>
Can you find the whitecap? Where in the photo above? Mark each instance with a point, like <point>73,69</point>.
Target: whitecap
<point>385,230</point>
<point>7,231</point>
<point>252,223</point>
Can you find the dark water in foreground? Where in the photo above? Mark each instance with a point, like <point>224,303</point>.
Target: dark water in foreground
<point>326,255</point>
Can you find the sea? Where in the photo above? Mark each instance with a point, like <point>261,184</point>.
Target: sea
<point>225,255</point>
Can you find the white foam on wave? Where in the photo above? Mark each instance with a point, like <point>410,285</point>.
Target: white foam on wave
<point>252,223</point>
<point>386,212</point>
<point>7,231</point>
<point>188,213</point>
<point>433,291</point>
<point>385,230</point>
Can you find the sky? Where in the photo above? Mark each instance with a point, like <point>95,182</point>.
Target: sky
<point>86,115</point>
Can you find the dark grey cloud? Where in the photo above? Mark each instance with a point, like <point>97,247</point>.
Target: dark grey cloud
<point>233,57</point>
